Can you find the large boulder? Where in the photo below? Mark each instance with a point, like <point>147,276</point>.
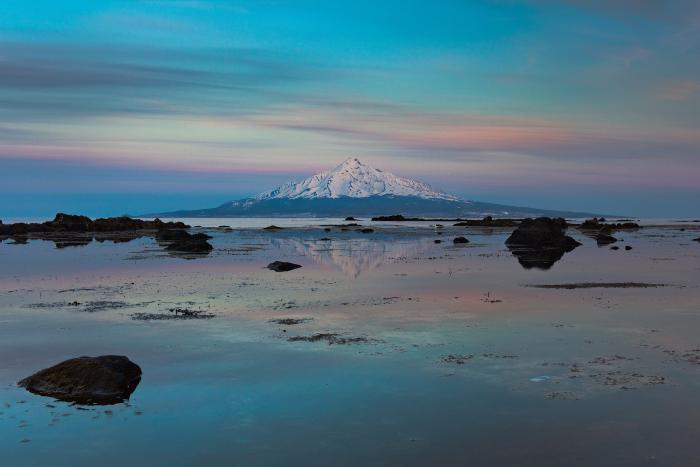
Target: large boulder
<point>542,232</point>
<point>539,243</point>
<point>108,379</point>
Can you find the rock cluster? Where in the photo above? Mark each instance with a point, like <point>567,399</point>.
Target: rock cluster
<point>600,224</point>
<point>63,223</point>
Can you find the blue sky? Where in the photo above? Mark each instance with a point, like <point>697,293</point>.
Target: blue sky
<point>123,106</point>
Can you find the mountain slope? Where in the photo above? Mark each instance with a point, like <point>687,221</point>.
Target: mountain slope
<point>356,189</point>
<point>353,179</point>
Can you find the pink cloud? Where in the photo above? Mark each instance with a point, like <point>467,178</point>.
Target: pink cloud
<point>678,90</point>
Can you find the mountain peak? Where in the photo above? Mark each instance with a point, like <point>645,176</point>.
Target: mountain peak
<point>351,162</point>
<point>353,179</point>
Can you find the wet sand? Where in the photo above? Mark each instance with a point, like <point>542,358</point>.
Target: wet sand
<point>384,348</point>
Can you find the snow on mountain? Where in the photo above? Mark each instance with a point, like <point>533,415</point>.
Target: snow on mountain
<point>353,179</point>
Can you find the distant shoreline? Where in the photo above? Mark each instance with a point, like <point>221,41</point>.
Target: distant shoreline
<point>299,221</point>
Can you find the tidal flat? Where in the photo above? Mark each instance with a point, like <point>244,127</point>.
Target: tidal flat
<point>384,348</point>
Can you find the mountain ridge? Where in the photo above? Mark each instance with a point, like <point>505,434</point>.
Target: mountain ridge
<point>355,189</point>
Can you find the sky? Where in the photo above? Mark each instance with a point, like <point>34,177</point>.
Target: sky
<point>111,107</point>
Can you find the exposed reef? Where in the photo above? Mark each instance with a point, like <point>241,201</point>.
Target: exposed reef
<point>539,243</point>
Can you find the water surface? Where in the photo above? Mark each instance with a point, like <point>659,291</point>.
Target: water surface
<point>463,361</point>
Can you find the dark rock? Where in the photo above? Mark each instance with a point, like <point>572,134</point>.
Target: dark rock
<point>458,240</point>
<point>169,235</point>
<point>108,379</point>
<point>488,221</point>
<point>437,241</point>
<point>331,338</point>
<point>327,229</point>
<point>604,239</point>
<point>350,218</point>
<point>539,243</point>
<point>628,248</point>
<point>115,224</point>
<point>367,230</point>
<point>116,237</point>
<point>614,247</point>
<point>696,239</point>
<point>70,223</point>
<point>190,245</point>
<point>182,241</point>
<point>282,266</point>
<point>591,224</point>
<point>394,218</point>
<point>541,232</point>
<point>174,314</point>
<point>72,242</point>
<point>63,223</point>
<point>290,321</point>
<point>599,224</point>
<point>273,227</point>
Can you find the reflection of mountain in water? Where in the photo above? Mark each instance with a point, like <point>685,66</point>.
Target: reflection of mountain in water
<point>354,256</point>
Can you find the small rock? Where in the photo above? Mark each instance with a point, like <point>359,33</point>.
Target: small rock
<point>604,239</point>
<point>460,240</point>
<point>282,266</point>
<point>191,245</point>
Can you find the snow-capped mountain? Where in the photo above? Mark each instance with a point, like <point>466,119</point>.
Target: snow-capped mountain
<point>356,189</point>
<point>353,179</point>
